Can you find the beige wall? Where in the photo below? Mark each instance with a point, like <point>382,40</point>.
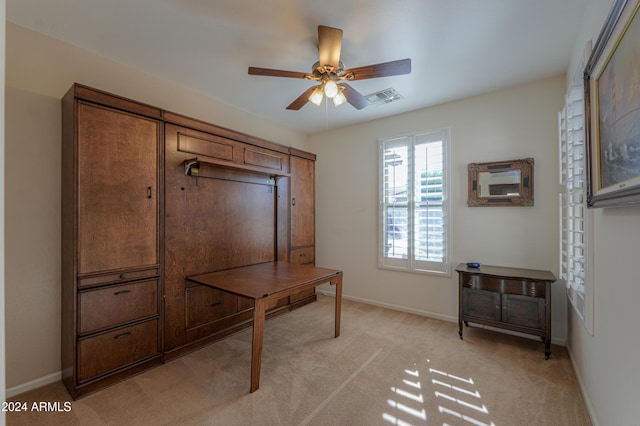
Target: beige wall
<point>32,215</point>
<point>607,360</point>
<point>2,183</point>
<point>39,70</point>
<point>510,124</point>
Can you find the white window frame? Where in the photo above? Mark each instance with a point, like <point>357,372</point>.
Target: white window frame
<point>413,262</point>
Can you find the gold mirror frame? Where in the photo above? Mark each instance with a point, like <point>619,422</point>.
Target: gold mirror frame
<point>518,191</point>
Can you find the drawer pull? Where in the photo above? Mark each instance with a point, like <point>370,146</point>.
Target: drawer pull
<point>213,305</point>
<point>123,276</point>
<point>118,293</point>
<point>497,306</point>
<point>120,336</point>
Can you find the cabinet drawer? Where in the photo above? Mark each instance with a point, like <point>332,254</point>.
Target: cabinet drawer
<point>115,305</point>
<point>204,305</point>
<point>106,352</point>
<point>303,294</point>
<point>506,286</point>
<point>278,303</point>
<point>306,255</point>
<point>117,277</point>
<point>244,304</point>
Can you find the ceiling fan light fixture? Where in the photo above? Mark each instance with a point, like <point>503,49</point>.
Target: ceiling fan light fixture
<point>339,98</point>
<point>330,88</point>
<point>316,96</point>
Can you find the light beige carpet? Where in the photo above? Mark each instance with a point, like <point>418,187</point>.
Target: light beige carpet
<point>386,368</point>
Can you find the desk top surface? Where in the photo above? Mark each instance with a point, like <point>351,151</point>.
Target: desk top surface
<point>264,279</point>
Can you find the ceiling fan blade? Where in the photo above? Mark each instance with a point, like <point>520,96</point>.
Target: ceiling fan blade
<point>354,97</point>
<point>385,69</point>
<point>329,46</point>
<point>302,99</point>
<point>276,73</point>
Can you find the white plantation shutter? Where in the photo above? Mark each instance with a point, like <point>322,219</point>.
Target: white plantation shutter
<point>573,199</point>
<point>413,203</point>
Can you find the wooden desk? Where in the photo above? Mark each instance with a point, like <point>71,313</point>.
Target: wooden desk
<point>267,282</point>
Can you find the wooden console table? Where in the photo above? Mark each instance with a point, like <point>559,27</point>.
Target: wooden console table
<point>265,283</point>
<point>508,298</point>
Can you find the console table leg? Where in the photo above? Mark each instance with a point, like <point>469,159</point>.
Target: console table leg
<point>547,349</point>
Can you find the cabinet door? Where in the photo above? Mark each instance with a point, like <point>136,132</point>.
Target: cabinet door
<point>117,189</point>
<point>302,202</point>
<point>481,304</point>
<point>525,311</point>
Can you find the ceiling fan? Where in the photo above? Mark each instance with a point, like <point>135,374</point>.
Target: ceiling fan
<point>330,73</point>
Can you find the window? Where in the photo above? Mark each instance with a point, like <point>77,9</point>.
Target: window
<point>414,203</point>
<point>576,224</point>
<point>573,203</point>
<point>574,220</point>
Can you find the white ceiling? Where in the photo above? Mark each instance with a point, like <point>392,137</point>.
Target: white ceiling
<point>458,48</point>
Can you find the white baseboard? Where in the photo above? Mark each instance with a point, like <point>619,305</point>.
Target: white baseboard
<point>34,384</point>
<point>391,306</point>
<point>583,390</point>
<point>555,341</point>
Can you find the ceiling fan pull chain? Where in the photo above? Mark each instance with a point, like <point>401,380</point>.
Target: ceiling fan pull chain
<point>326,112</point>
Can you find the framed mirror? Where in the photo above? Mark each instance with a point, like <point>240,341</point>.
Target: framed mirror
<point>502,183</point>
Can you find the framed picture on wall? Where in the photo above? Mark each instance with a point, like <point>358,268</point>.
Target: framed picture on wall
<point>612,109</point>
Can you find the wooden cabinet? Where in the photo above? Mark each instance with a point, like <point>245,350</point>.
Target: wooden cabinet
<point>110,238</point>
<point>508,298</point>
<point>302,233</point>
<point>150,197</point>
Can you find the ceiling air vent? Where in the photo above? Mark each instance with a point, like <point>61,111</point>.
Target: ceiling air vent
<point>384,96</point>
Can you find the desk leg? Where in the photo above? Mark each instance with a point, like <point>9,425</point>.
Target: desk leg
<point>337,281</point>
<point>258,338</point>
